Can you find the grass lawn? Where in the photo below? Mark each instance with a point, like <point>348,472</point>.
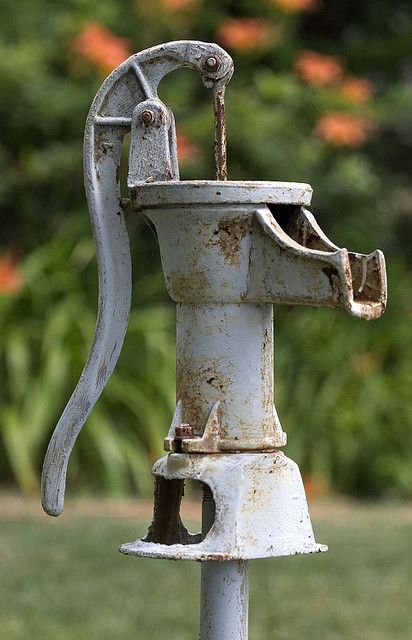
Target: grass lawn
<point>63,579</point>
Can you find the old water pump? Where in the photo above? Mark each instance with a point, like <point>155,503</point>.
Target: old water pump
<point>230,250</point>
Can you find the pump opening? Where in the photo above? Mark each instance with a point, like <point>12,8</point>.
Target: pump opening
<point>198,506</point>
<point>300,226</point>
<point>167,526</point>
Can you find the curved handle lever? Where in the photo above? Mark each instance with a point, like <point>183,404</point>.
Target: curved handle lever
<point>136,80</point>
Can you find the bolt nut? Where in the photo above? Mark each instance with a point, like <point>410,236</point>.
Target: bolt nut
<point>184,431</point>
<point>212,63</point>
<point>147,117</point>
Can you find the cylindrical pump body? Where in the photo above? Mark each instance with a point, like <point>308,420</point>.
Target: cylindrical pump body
<point>224,341</point>
<point>225,354</point>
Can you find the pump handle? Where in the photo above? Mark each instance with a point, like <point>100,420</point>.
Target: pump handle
<point>110,117</point>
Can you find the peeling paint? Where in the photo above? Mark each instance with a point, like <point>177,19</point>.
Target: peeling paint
<point>260,509</point>
<point>230,233</point>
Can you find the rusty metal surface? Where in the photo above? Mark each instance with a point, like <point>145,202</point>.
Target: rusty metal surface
<point>260,508</point>
<point>237,252</point>
<point>288,262</point>
<point>224,374</point>
<point>329,277</point>
<point>220,131</point>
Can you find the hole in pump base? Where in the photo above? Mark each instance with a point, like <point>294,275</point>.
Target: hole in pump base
<point>167,526</point>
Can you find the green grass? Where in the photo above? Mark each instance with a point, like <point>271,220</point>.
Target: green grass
<point>64,579</point>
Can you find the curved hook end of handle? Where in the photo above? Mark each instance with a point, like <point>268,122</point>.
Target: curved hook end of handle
<point>53,481</point>
<point>52,505</point>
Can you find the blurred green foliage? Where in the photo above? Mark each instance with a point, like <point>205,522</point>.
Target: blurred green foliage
<point>343,387</point>
<point>362,588</point>
<point>45,335</point>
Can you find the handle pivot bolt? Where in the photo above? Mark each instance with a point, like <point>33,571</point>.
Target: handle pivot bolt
<point>147,117</point>
<point>212,63</point>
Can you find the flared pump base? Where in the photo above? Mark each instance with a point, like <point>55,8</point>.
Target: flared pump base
<point>259,502</point>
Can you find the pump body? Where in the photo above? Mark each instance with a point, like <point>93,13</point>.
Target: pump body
<point>230,251</point>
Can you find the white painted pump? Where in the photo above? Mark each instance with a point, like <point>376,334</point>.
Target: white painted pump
<point>230,250</point>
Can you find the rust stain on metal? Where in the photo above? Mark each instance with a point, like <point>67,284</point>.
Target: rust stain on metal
<point>333,276</point>
<point>220,131</point>
<point>297,227</point>
<point>266,369</point>
<point>254,513</point>
<point>366,278</point>
<point>190,380</point>
<point>211,436</point>
<point>231,232</point>
<point>102,372</point>
<point>212,64</point>
<point>184,431</point>
<point>189,391</point>
<point>181,286</point>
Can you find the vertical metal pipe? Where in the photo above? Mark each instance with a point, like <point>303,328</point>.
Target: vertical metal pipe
<point>224,599</point>
<point>224,591</point>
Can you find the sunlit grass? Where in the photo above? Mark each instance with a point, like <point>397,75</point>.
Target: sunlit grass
<point>64,579</point>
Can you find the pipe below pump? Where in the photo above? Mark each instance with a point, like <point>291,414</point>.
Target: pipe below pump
<point>224,590</point>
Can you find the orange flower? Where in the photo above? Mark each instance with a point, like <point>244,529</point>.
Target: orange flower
<point>356,89</point>
<point>343,129</point>
<point>294,6</point>
<point>245,34</point>
<point>11,278</point>
<point>315,487</point>
<point>365,363</point>
<point>317,69</point>
<point>177,5</point>
<point>101,47</point>
<point>187,149</point>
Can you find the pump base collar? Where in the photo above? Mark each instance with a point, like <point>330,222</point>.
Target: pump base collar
<point>260,509</point>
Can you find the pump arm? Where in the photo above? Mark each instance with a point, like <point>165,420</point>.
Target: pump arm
<point>121,99</point>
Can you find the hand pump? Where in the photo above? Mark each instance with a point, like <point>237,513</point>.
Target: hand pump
<point>229,251</point>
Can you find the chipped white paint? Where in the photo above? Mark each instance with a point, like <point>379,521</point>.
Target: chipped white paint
<point>165,194</point>
<point>224,600</point>
<point>260,503</point>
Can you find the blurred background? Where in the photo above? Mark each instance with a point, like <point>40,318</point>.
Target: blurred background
<point>322,93</point>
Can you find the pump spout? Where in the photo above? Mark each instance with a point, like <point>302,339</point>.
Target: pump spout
<point>294,262</point>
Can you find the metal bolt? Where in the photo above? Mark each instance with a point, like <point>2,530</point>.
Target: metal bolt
<point>212,63</point>
<point>147,117</point>
<point>184,431</point>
